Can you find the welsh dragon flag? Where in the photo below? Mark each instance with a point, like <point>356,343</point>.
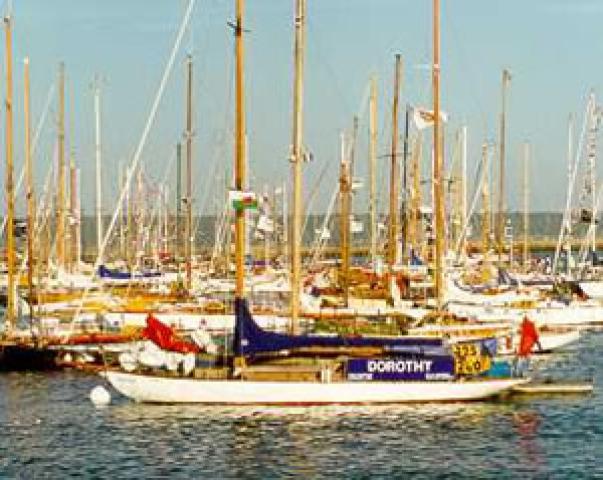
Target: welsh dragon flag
<point>242,200</point>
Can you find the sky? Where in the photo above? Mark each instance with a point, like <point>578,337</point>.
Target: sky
<point>552,47</point>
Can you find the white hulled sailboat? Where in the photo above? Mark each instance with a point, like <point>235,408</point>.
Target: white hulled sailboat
<point>274,368</point>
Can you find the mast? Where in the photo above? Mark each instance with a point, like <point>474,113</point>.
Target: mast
<point>189,171</point>
<point>405,200</point>
<point>568,225</point>
<point>60,207</point>
<point>78,218</point>
<point>10,194</point>
<point>526,207</point>
<point>415,196</point>
<point>239,154</point>
<point>72,213</point>
<point>130,201</point>
<point>29,193</point>
<point>373,169</point>
<point>122,233</point>
<point>99,191</point>
<point>500,226</point>
<point>592,173</point>
<point>297,159</point>
<point>463,186</point>
<point>438,163</point>
<point>486,201</point>
<point>178,201</point>
<point>393,185</point>
<point>344,192</point>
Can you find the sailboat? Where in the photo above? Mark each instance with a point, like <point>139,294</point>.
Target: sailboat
<point>18,351</point>
<point>291,369</point>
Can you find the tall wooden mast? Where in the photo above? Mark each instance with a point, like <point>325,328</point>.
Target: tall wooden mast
<point>178,221</point>
<point>500,223</point>
<point>10,194</point>
<point>373,168</point>
<point>72,213</point>
<point>392,251</point>
<point>344,192</point>
<point>297,159</point>
<point>97,149</point>
<point>239,172</point>
<point>463,179</point>
<point>414,215</point>
<point>486,201</point>
<point>31,211</point>
<point>189,171</point>
<point>60,206</point>
<point>438,184</point>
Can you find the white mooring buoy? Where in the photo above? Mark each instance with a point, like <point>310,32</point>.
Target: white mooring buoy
<point>99,395</point>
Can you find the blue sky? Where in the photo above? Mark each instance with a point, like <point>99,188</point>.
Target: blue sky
<point>552,47</point>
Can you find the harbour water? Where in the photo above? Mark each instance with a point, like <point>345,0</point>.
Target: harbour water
<point>50,429</point>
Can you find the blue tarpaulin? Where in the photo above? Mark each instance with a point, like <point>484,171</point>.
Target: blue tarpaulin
<point>250,339</point>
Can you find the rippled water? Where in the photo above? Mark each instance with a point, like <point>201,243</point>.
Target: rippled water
<point>49,429</point>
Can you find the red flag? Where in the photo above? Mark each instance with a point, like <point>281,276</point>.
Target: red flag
<point>164,337</point>
<point>529,337</point>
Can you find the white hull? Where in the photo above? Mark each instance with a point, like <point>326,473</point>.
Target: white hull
<point>551,342</point>
<point>193,321</point>
<point>592,289</point>
<point>155,389</point>
<point>553,315</point>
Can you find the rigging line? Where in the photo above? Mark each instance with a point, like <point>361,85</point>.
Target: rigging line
<point>313,195</point>
<point>314,36</point>
<point>467,66</point>
<point>40,213</point>
<point>37,133</point>
<point>480,176</point>
<point>220,146</point>
<point>572,182</point>
<point>141,144</point>
<point>326,168</point>
<point>158,205</point>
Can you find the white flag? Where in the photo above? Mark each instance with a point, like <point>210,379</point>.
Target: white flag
<point>424,118</point>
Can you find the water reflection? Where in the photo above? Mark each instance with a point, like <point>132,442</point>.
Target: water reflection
<point>50,428</point>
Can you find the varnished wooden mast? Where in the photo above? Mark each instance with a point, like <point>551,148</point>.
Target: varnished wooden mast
<point>10,194</point>
<point>344,193</point>
<point>97,148</point>
<point>240,174</point>
<point>297,159</point>
<point>60,206</point>
<point>486,201</point>
<point>31,211</point>
<point>463,179</point>
<point>501,221</point>
<point>392,252</point>
<point>178,222</point>
<point>438,162</point>
<point>189,171</point>
<point>72,213</point>
<point>414,216</point>
<point>373,169</point>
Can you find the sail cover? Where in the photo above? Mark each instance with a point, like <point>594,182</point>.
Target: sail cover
<point>250,339</point>
<point>104,272</point>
